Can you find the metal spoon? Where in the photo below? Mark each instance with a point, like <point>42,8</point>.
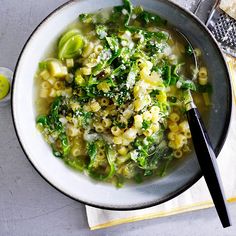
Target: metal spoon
<point>204,151</point>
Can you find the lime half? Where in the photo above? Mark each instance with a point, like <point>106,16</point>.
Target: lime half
<point>4,86</point>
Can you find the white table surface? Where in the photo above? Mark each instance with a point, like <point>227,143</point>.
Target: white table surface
<point>28,204</point>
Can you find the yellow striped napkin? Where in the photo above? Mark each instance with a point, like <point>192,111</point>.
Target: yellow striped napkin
<point>195,198</point>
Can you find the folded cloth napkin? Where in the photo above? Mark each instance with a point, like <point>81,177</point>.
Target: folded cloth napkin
<point>196,197</point>
<point>229,6</point>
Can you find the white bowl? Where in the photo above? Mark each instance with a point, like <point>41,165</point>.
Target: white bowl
<point>77,185</point>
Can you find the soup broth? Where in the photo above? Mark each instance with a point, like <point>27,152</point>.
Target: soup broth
<point>109,95</point>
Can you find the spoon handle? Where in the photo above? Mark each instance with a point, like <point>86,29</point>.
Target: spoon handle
<point>207,161</point>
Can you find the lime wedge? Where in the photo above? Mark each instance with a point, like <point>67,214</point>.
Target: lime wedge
<point>4,86</point>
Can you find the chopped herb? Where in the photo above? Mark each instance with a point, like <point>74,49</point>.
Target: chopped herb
<point>86,18</point>
<point>146,124</point>
<point>189,50</point>
<point>101,31</point>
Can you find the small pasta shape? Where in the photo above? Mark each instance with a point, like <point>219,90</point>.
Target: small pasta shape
<point>52,93</point>
<point>173,127</point>
<point>144,64</point>
<point>202,72</point>
<point>45,85</point>
<point>184,126</point>
<point>113,113</point>
<point>174,117</point>
<point>187,134</point>
<point>116,131</point>
<point>105,113</point>
<point>104,102</point>
<point>95,106</point>
<point>186,148</point>
<point>117,140</point>
<point>52,80</point>
<point>101,154</point>
<point>123,151</point>
<point>138,120</point>
<point>91,62</point>
<point>180,140</point>
<point>139,105</point>
<point>130,134</point>
<point>72,131</point>
<point>99,127</point>
<point>155,114</point>
<point>197,52</point>
<point>79,80</point>
<point>106,122</point>
<point>155,127</point>
<point>147,115</point>
<point>172,145</point>
<point>80,132</point>
<point>127,113</point>
<point>88,50</point>
<point>111,108</point>
<point>104,86</point>
<point>58,85</point>
<point>148,132</point>
<point>122,119</point>
<point>75,151</point>
<point>155,118</point>
<point>59,92</point>
<point>144,73</point>
<point>202,80</point>
<point>70,62</point>
<point>98,49</point>
<point>87,108</point>
<point>44,75</point>
<point>171,136</point>
<point>178,153</point>
<point>125,142</point>
<point>155,110</point>
<point>136,91</point>
<point>86,70</point>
